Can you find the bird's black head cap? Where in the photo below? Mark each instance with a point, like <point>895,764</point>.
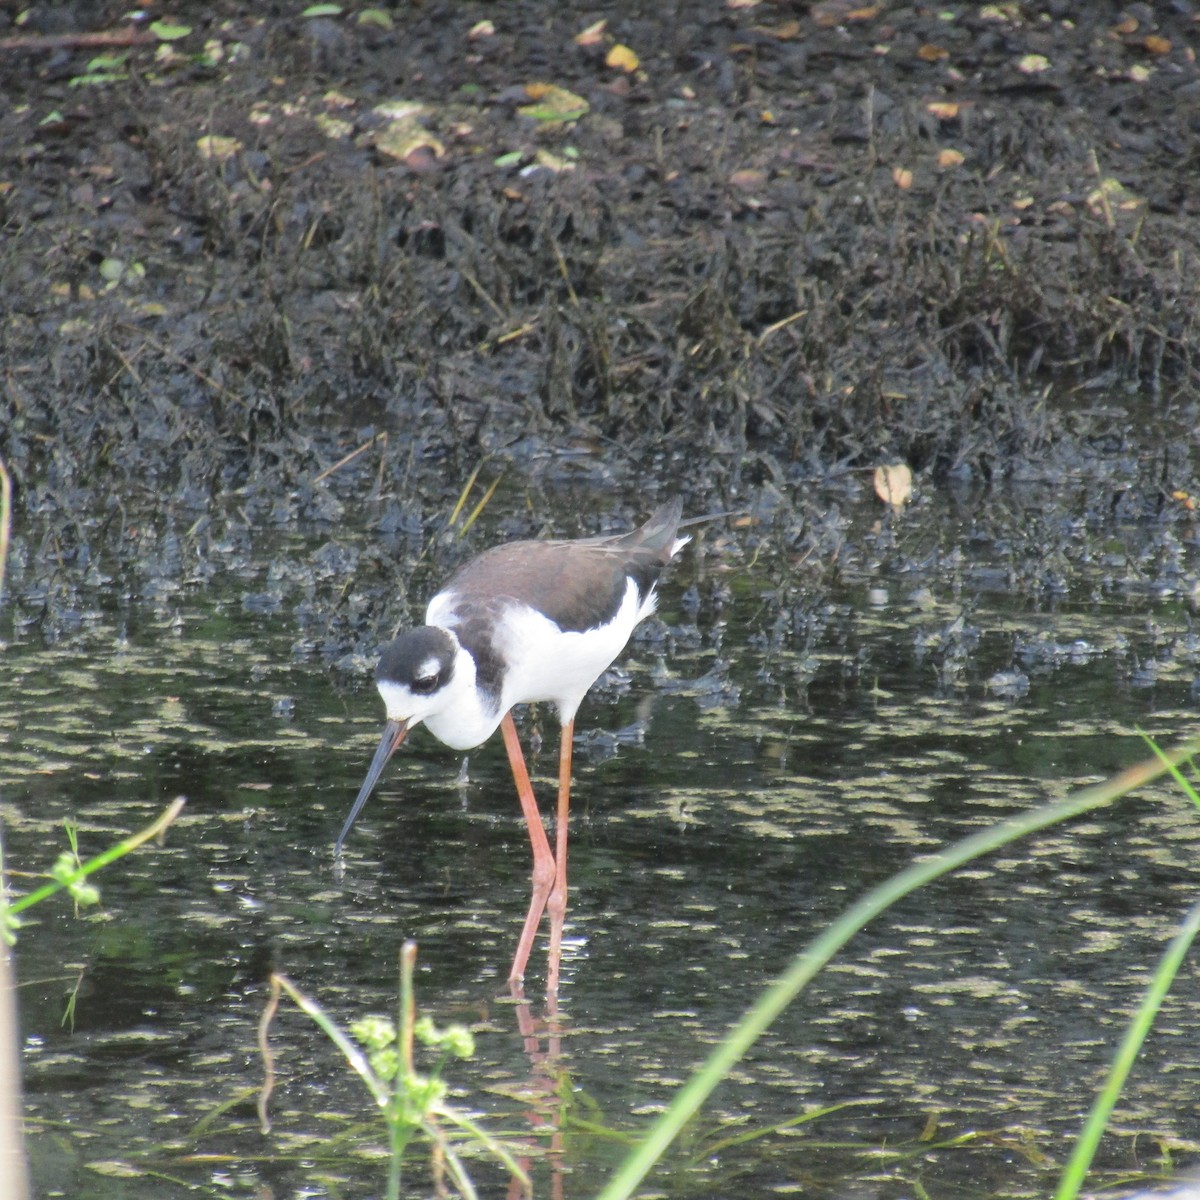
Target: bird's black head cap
<point>421,660</point>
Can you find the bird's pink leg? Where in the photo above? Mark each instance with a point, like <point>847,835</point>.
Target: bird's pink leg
<point>544,873</point>
<point>556,902</point>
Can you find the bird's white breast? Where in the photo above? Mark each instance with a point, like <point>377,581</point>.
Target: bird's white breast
<point>541,661</point>
<point>546,663</point>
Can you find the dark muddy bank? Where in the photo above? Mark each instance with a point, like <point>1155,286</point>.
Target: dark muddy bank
<point>761,262</point>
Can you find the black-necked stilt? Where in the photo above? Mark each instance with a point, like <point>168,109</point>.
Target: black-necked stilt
<point>522,622</point>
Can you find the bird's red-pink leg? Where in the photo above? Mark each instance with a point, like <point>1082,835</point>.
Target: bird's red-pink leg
<point>556,902</point>
<point>544,873</point>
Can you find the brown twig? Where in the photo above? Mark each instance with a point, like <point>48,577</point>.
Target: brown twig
<point>72,41</point>
<point>341,462</point>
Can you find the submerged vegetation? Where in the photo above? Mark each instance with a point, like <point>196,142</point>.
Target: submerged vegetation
<point>410,1102</point>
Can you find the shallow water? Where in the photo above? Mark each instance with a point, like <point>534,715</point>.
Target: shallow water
<point>745,775</point>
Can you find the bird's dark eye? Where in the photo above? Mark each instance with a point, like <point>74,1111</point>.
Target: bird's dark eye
<point>425,685</point>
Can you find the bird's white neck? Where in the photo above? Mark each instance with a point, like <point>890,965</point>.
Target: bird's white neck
<point>465,717</point>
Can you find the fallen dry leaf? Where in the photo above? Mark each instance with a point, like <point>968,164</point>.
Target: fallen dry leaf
<point>1156,44</point>
<point>931,53</point>
<point>405,137</point>
<point>950,158</point>
<point>552,103</point>
<point>835,12</point>
<point>893,484</point>
<point>593,34</point>
<point>748,178</point>
<point>1033,64</point>
<point>399,110</point>
<point>902,177</point>
<point>333,127</point>
<point>621,58</point>
<point>781,33</point>
<point>553,162</point>
<point>1112,193</point>
<point>944,110</point>
<point>217,149</point>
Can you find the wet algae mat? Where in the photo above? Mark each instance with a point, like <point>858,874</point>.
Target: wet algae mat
<point>274,289</point>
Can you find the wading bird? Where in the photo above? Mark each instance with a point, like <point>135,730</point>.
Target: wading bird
<point>526,621</point>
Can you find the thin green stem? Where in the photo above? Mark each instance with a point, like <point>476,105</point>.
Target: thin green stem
<point>402,1127</point>
<point>1131,1044</point>
<point>352,1054</point>
<point>480,506</point>
<point>101,860</point>
<point>1172,769</point>
<point>408,1006</point>
<point>485,1139</point>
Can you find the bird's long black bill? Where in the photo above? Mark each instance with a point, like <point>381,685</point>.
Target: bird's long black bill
<point>393,735</point>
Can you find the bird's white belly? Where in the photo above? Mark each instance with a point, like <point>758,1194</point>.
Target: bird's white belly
<point>546,663</point>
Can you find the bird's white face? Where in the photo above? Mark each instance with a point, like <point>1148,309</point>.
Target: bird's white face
<point>420,675</point>
<point>422,696</point>
<point>445,701</point>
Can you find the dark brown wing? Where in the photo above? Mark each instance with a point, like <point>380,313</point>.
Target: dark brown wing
<point>577,584</point>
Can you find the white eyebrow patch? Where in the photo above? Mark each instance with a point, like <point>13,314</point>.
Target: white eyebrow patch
<point>428,669</point>
<point>396,698</point>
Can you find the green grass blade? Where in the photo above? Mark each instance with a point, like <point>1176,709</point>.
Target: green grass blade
<point>1172,769</point>
<point>480,506</point>
<point>1131,1045</point>
<point>454,1164</point>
